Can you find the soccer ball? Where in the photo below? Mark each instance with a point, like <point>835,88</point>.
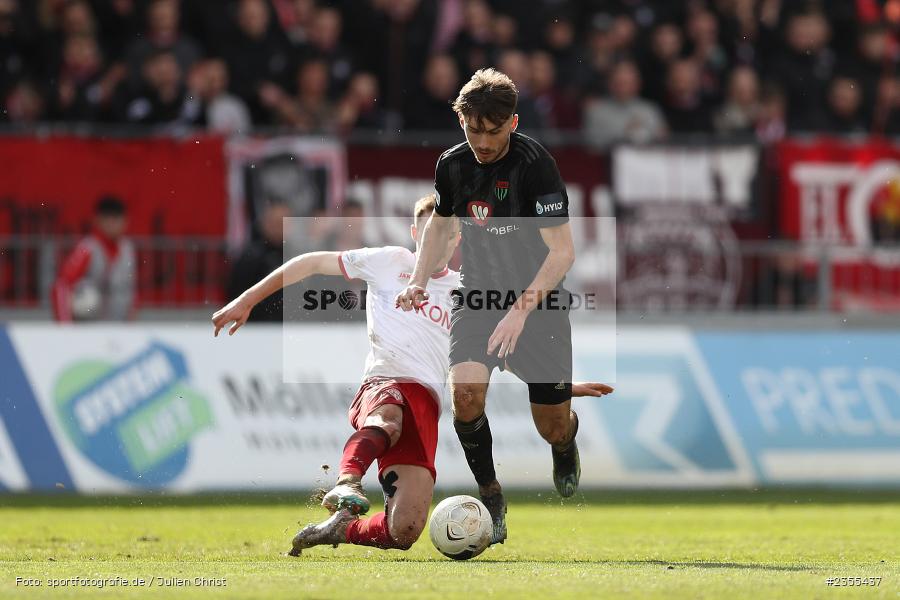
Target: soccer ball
<point>460,527</point>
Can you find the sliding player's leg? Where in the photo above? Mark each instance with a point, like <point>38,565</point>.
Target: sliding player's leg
<point>407,491</point>
<point>407,475</point>
<point>379,423</point>
<point>377,415</point>
<point>380,430</point>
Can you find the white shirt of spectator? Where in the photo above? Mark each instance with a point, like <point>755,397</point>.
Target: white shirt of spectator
<point>408,345</point>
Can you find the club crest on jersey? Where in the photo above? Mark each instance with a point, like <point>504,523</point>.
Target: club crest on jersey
<point>479,211</point>
<point>501,190</point>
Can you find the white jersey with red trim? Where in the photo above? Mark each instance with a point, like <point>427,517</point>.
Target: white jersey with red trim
<point>412,345</point>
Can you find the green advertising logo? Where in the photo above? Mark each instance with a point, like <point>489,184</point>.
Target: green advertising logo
<point>134,420</point>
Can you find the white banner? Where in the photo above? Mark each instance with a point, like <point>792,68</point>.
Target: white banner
<point>170,407</point>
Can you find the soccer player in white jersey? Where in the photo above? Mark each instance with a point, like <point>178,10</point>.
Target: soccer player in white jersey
<point>395,412</point>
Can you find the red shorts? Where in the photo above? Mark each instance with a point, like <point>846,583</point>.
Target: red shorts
<point>419,434</point>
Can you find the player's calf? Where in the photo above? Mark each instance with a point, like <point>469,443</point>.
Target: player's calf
<point>343,527</point>
<point>375,532</point>
<point>375,435</point>
<point>567,463</point>
<point>558,425</point>
<point>361,450</point>
<point>381,430</point>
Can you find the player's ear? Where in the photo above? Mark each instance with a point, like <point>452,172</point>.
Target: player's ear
<point>515,122</point>
<point>462,120</point>
<point>414,232</point>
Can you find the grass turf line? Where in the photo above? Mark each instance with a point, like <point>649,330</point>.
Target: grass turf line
<point>741,545</point>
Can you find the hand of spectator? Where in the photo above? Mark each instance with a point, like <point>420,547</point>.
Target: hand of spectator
<point>346,115</point>
<point>270,95</point>
<point>197,80</point>
<point>66,92</point>
<point>111,81</point>
<point>123,7</point>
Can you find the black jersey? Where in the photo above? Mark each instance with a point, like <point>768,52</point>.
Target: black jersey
<point>502,206</point>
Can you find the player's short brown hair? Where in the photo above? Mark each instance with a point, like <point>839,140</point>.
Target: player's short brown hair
<point>490,95</point>
<point>424,207</point>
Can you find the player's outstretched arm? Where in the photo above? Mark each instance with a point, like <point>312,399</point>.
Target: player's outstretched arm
<point>296,269</point>
<point>431,248</point>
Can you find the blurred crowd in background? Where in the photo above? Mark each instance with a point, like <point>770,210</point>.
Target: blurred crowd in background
<point>636,70</point>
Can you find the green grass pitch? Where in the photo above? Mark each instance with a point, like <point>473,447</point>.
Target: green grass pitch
<point>765,544</point>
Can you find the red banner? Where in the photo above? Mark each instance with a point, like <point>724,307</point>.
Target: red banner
<point>839,192</point>
<point>829,191</point>
<point>174,189</point>
<point>171,187</point>
<point>846,194</point>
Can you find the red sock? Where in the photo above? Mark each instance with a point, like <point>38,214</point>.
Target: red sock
<point>371,532</point>
<point>362,449</point>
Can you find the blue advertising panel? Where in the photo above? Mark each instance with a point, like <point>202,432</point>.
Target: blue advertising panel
<point>816,407</point>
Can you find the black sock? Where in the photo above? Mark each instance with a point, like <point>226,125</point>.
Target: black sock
<point>477,443</point>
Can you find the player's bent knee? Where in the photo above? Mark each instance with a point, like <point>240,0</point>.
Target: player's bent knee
<point>405,541</point>
<point>468,402</point>
<point>408,523</point>
<point>391,426</point>
<point>405,532</point>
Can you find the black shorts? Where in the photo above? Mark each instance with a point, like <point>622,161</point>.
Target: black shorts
<point>543,356</point>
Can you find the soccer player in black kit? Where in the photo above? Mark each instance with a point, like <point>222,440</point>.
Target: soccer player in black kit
<point>509,196</point>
